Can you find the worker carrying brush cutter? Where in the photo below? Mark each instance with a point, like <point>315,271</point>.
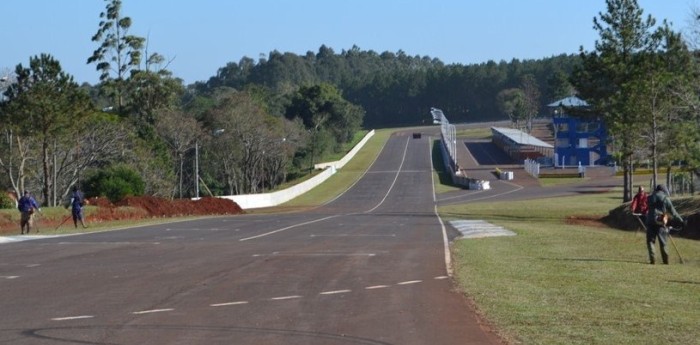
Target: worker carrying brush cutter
<point>26,206</point>
<point>660,210</point>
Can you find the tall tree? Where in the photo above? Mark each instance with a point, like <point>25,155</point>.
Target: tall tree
<point>181,133</point>
<point>47,104</point>
<point>118,53</point>
<point>531,93</point>
<point>323,106</point>
<point>606,76</point>
<point>511,102</point>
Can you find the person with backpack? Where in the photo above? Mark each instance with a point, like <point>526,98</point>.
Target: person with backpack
<point>77,201</point>
<point>26,206</point>
<point>660,209</point>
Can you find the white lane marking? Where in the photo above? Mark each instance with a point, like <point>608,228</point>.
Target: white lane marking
<point>334,292</point>
<point>228,303</point>
<point>9,277</point>
<point>353,235</point>
<point>376,287</point>
<point>445,241</point>
<point>445,244</point>
<point>282,298</point>
<point>152,311</point>
<point>403,159</point>
<point>289,227</point>
<point>72,318</point>
<point>32,265</point>
<point>314,254</point>
<point>441,277</point>
<point>410,282</point>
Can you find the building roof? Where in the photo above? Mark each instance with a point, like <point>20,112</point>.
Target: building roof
<point>569,102</point>
<point>520,137</point>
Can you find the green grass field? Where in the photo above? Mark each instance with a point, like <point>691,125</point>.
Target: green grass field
<point>556,283</point>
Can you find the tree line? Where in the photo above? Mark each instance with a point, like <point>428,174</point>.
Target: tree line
<point>258,123</point>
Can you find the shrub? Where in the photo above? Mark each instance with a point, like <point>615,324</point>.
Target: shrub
<point>115,183</point>
<point>6,201</point>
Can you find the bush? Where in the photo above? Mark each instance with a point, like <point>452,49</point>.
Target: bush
<point>115,183</point>
<point>6,201</point>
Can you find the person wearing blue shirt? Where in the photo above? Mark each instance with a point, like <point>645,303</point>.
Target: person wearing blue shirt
<point>27,205</point>
<point>77,201</point>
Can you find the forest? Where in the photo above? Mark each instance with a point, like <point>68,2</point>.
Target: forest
<point>258,124</point>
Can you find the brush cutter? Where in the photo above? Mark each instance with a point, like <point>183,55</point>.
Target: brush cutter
<point>65,220</point>
<point>670,229</point>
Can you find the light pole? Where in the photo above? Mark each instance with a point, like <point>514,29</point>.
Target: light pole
<point>196,169</point>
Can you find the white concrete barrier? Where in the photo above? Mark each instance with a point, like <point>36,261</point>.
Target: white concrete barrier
<point>250,201</point>
<point>341,163</point>
<point>506,175</point>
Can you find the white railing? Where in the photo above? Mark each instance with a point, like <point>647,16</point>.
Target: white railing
<point>448,135</point>
<point>532,167</point>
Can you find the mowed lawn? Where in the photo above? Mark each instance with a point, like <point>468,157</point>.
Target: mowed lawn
<point>560,283</point>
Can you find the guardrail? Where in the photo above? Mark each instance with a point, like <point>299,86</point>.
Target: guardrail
<point>448,147</point>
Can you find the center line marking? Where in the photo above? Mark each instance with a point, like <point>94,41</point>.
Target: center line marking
<point>152,311</point>
<point>410,282</point>
<point>334,292</point>
<point>9,277</point>
<point>284,298</point>
<point>72,318</point>
<point>287,228</point>
<point>376,287</point>
<point>228,303</point>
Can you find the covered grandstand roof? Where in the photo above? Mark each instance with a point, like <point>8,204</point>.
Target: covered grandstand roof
<point>569,102</point>
<point>521,138</point>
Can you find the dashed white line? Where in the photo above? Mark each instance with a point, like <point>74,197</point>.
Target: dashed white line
<point>353,235</point>
<point>314,254</point>
<point>285,298</point>
<point>334,292</point>
<point>72,318</point>
<point>152,311</point>
<point>281,298</point>
<point>288,227</point>
<point>9,277</point>
<point>228,304</point>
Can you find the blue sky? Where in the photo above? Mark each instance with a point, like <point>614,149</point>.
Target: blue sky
<point>203,35</point>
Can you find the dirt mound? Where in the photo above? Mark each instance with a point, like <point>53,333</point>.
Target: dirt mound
<point>100,210</point>
<point>585,220</point>
<point>158,207</point>
<point>689,208</point>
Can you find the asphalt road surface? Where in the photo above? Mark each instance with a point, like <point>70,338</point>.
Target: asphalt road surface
<point>367,268</point>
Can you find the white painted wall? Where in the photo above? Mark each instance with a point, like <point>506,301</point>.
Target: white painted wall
<point>251,201</point>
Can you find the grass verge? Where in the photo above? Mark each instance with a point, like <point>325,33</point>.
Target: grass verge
<point>559,283</point>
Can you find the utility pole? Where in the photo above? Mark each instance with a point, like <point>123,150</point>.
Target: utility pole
<point>196,169</point>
